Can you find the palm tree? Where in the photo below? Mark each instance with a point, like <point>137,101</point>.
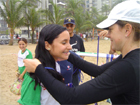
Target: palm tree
<point>12,13</point>
<point>88,23</point>
<point>32,3</point>
<point>90,18</point>
<point>29,3</point>
<point>105,9</point>
<point>72,6</point>
<point>99,19</point>
<point>116,2</point>
<point>34,20</point>
<point>79,20</point>
<point>55,16</point>
<point>74,9</point>
<point>94,12</point>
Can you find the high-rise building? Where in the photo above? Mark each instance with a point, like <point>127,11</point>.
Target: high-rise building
<point>47,3</point>
<point>95,3</point>
<point>3,24</point>
<point>98,4</point>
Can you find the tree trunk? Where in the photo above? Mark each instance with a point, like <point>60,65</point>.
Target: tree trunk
<point>28,32</point>
<point>77,31</point>
<point>11,36</point>
<point>33,36</point>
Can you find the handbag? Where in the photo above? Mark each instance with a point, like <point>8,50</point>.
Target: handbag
<point>16,87</point>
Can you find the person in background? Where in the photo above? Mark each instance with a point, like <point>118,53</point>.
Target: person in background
<point>87,36</point>
<point>81,35</point>
<point>29,95</point>
<point>119,79</point>
<point>70,72</point>
<point>17,37</point>
<point>84,37</point>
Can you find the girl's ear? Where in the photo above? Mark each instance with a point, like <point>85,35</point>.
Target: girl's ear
<point>26,44</point>
<point>73,26</point>
<point>47,45</point>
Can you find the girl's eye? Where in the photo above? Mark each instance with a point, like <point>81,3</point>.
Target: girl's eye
<point>64,42</point>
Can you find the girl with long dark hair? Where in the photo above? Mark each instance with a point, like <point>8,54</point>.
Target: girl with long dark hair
<point>53,44</point>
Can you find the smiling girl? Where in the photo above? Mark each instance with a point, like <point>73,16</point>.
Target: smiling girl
<point>29,96</point>
<point>53,45</point>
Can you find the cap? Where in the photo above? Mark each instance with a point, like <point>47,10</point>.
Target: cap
<point>127,11</point>
<point>69,20</point>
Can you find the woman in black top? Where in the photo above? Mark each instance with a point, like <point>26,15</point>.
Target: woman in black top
<point>119,79</point>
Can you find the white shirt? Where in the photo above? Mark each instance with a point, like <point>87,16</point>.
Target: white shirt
<point>46,97</point>
<point>21,57</point>
<point>84,35</point>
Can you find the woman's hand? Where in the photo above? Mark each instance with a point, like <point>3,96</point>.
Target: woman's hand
<point>31,64</point>
<point>103,33</point>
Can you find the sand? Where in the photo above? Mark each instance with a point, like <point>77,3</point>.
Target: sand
<point>8,67</point>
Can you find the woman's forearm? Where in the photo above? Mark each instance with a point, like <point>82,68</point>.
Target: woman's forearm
<point>89,68</point>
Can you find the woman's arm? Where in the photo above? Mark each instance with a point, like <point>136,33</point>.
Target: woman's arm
<point>90,68</point>
<point>112,82</point>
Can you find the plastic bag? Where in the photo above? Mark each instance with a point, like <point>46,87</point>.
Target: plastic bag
<point>16,87</point>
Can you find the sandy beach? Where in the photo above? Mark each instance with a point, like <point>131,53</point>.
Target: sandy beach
<point>8,67</point>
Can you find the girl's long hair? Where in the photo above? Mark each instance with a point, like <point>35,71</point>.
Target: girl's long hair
<point>48,33</point>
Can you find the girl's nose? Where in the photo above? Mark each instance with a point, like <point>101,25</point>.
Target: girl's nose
<point>69,46</point>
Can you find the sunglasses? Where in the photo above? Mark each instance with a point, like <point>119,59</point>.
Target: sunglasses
<point>69,25</point>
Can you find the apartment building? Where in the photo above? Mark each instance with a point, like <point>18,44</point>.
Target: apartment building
<point>3,24</point>
<point>99,3</point>
<point>47,3</point>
